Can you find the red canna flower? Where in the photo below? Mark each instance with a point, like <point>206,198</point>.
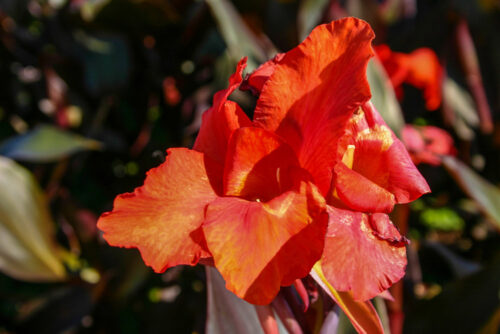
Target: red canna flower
<point>310,178</point>
<point>420,68</point>
<point>427,144</point>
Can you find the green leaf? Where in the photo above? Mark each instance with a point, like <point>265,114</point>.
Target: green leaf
<point>90,8</point>
<point>383,96</point>
<point>486,195</point>
<point>46,143</point>
<point>381,308</point>
<point>309,15</point>
<point>459,101</point>
<point>444,219</point>
<point>27,251</point>
<point>240,40</point>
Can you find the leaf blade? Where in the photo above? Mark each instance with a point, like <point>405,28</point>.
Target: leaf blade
<point>46,143</point>
<point>27,251</point>
<point>486,195</point>
<point>226,313</point>
<point>384,97</point>
<point>309,15</point>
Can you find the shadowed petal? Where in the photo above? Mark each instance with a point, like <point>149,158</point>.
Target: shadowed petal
<point>258,247</point>
<point>163,217</point>
<point>256,80</point>
<point>364,254</point>
<point>313,91</point>
<point>258,165</point>
<point>221,119</point>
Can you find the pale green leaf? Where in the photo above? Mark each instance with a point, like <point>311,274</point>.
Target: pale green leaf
<point>46,143</point>
<point>383,96</point>
<point>27,250</point>
<point>459,101</point>
<point>310,12</point>
<point>90,8</point>
<point>486,195</point>
<point>226,313</point>
<point>444,219</point>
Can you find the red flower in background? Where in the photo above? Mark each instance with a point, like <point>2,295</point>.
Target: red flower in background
<point>427,144</point>
<point>310,178</point>
<point>420,68</point>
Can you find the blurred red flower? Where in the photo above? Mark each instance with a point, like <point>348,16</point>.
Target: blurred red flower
<point>420,68</point>
<point>170,91</point>
<point>310,178</point>
<point>427,144</point>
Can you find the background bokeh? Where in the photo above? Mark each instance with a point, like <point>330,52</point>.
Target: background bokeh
<point>93,92</point>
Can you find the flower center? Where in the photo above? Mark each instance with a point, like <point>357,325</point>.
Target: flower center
<point>348,160</point>
<point>348,157</point>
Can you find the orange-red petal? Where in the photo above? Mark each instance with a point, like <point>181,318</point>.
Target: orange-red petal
<point>256,80</point>
<point>163,217</point>
<point>427,144</point>
<point>383,173</point>
<point>258,165</point>
<point>393,169</point>
<point>364,254</point>
<point>258,247</point>
<point>360,193</point>
<point>426,73</point>
<point>420,68</point>
<point>395,64</point>
<point>221,120</point>
<point>313,91</point>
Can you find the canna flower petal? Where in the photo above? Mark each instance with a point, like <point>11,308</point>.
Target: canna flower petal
<point>313,91</point>
<point>427,144</point>
<point>221,120</point>
<point>380,173</point>
<point>360,193</point>
<point>364,254</point>
<point>259,165</point>
<point>420,68</point>
<point>412,139</point>
<point>258,247</point>
<point>438,140</point>
<point>251,195</point>
<point>256,80</point>
<point>163,217</point>
<point>426,73</point>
